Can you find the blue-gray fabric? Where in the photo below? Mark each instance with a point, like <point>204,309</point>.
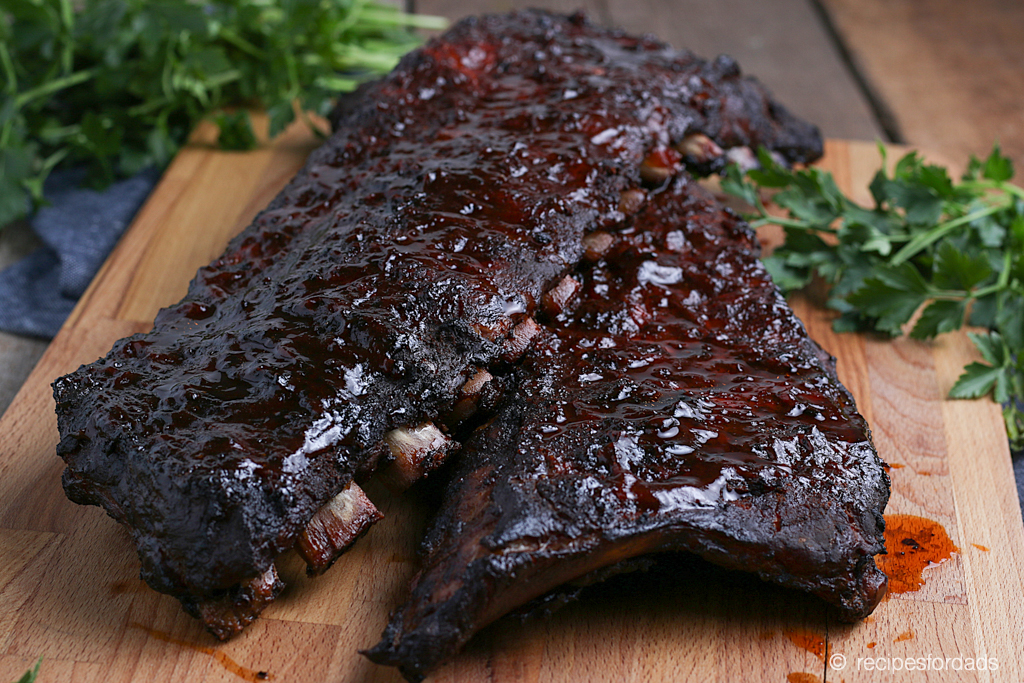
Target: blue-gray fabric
<point>79,228</point>
<point>1018,474</point>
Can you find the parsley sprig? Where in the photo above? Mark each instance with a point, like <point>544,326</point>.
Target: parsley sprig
<point>119,84</point>
<point>935,251</point>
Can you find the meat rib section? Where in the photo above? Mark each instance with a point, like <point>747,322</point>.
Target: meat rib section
<point>679,406</point>
<point>409,255</point>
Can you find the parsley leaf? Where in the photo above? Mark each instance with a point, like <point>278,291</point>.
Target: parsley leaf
<point>930,256</point>
<point>978,379</point>
<point>33,673</point>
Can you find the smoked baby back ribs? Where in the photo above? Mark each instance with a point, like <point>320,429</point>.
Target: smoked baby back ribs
<point>678,404</point>
<point>368,306</point>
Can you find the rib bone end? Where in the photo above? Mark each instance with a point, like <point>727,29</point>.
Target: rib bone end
<point>557,299</point>
<point>596,245</point>
<point>631,200</point>
<point>520,339</point>
<point>335,527</point>
<point>699,148</point>
<point>226,616</point>
<point>660,165</point>
<point>416,451</point>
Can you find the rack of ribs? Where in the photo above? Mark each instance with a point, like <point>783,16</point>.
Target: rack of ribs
<point>676,404</point>
<point>368,309</point>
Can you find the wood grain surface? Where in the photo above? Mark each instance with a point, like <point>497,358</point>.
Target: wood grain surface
<point>70,592</point>
<point>951,73</point>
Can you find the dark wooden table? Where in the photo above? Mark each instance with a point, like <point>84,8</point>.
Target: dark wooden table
<point>944,75</point>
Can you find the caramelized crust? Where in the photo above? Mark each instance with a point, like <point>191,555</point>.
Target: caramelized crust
<point>407,255</point>
<point>680,407</point>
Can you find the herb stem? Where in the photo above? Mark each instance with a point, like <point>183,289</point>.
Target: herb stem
<point>67,20</point>
<point>1001,283</point>
<point>52,87</point>
<point>242,44</point>
<point>985,185</point>
<point>922,241</point>
<point>8,66</point>
<point>796,224</point>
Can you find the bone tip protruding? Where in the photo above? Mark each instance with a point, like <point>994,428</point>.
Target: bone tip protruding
<point>558,297</point>
<point>226,616</point>
<point>596,245</point>
<point>743,157</point>
<point>699,148</point>
<point>335,527</point>
<point>520,339</point>
<point>476,383</point>
<point>660,165</point>
<point>631,200</point>
<point>415,452</point>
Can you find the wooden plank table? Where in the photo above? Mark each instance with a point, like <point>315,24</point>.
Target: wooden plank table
<point>950,73</point>
<point>69,586</point>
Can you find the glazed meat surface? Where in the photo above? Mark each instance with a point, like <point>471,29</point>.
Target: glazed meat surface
<point>677,404</point>
<point>368,305</point>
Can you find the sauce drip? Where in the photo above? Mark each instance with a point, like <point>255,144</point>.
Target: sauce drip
<point>980,547</point>
<point>809,641</point>
<point>802,677</point>
<point>906,635</point>
<point>231,665</point>
<point>913,544</point>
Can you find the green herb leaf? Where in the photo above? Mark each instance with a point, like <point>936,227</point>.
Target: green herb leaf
<point>734,183</point>
<point>891,296</point>
<point>1010,319</point>
<point>235,130</point>
<point>997,167</point>
<point>955,269</point>
<point>33,673</point>
<point>953,250</point>
<point>991,347</point>
<point>976,381</point>
<point>939,317</point>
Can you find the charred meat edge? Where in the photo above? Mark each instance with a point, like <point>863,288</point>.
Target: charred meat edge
<point>217,437</point>
<point>526,512</point>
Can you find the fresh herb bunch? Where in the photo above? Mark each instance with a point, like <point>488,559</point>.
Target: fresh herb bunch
<point>119,84</point>
<point>953,251</point>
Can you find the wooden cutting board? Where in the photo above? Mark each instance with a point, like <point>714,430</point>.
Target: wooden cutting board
<point>70,592</point>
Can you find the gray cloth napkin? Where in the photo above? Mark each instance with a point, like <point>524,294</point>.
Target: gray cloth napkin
<point>1018,474</point>
<point>79,228</point>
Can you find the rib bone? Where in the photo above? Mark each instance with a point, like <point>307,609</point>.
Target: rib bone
<point>631,200</point>
<point>558,297</point>
<point>335,527</point>
<point>416,451</point>
<point>743,157</point>
<point>476,383</point>
<point>521,337</point>
<point>596,244</point>
<point>659,166</point>
<point>227,615</point>
<point>468,405</point>
<point>699,148</point>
